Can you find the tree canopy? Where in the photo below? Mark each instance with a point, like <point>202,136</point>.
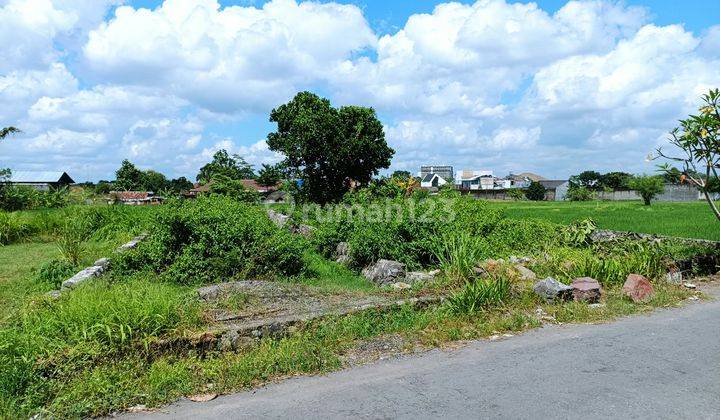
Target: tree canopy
<point>536,191</point>
<point>648,187</point>
<point>230,166</point>
<point>269,175</point>
<point>129,178</point>
<point>698,137</point>
<point>328,148</point>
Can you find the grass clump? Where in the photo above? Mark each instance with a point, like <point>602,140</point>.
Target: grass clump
<point>479,294</point>
<point>49,341</point>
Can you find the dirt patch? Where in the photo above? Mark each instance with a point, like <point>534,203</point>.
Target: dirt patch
<point>260,308</point>
<point>379,348</point>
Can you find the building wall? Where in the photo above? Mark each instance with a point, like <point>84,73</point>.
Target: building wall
<point>673,193</point>
<point>40,186</point>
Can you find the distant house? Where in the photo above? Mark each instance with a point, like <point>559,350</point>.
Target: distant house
<point>432,181</point>
<point>475,180</point>
<point>250,184</point>
<point>444,171</point>
<point>42,181</point>
<point>135,198</point>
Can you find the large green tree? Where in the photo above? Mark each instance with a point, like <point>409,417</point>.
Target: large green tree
<point>648,187</point>
<point>230,166</point>
<point>328,148</point>
<point>128,177</point>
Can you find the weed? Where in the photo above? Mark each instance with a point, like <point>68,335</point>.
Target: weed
<point>479,294</point>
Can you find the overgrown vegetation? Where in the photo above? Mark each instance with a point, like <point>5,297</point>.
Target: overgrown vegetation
<point>215,238</point>
<point>123,339</point>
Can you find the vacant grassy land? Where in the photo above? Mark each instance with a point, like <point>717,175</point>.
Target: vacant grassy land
<point>689,220</point>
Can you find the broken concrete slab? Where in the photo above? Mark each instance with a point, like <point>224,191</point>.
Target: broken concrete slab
<point>413,277</point>
<point>385,272</point>
<point>273,307</point>
<point>552,290</point>
<point>638,288</point>
<point>82,276</point>
<point>586,289</point>
<point>134,242</point>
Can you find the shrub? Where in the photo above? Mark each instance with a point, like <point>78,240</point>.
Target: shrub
<point>579,193</point>
<point>648,187</point>
<point>54,272</point>
<point>516,194</point>
<point>535,192</point>
<point>478,295</point>
<point>402,230</point>
<point>215,238</point>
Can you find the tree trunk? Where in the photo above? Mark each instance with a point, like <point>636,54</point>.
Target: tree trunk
<point>712,203</point>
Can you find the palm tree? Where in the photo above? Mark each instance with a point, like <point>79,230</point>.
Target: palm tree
<point>4,132</point>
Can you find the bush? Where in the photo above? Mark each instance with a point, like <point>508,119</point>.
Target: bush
<point>648,187</point>
<point>14,198</point>
<point>54,272</point>
<point>535,192</point>
<point>579,193</point>
<point>458,254</point>
<point>516,194</point>
<point>215,238</point>
<point>402,230</point>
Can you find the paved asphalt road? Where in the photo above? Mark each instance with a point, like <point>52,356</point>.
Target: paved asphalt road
<point>663,365</point>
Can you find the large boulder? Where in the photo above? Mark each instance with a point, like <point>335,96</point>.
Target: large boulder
<point>586,289</point>
<point>385,272</point>
<point>638,288</point>
<point>552,290</point>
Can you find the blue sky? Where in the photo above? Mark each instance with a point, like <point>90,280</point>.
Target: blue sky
<point>550,87</point>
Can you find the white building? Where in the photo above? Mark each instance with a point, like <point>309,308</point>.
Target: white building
<point>475,180</point>
<point>432,180</point>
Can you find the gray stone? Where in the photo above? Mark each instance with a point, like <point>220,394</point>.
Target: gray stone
<point>133,243</point>
<point>674,277</point>
<point>102,262</point>
<point>54,294</point>
<point>400,285</point>
<point>342,253</point>
<point>413,277</point>
<point>385,272</point>
<point>519,260</point>
<point>278,218</point>
<point>82,276</point>
<point>228,341</point>
<point>552,290</point>
<point>525,273</point>
<point>304,230</point>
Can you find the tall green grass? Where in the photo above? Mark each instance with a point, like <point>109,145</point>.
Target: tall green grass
<point>53,339</point>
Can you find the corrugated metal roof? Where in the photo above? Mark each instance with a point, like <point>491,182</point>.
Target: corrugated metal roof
<point>36,176</point>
